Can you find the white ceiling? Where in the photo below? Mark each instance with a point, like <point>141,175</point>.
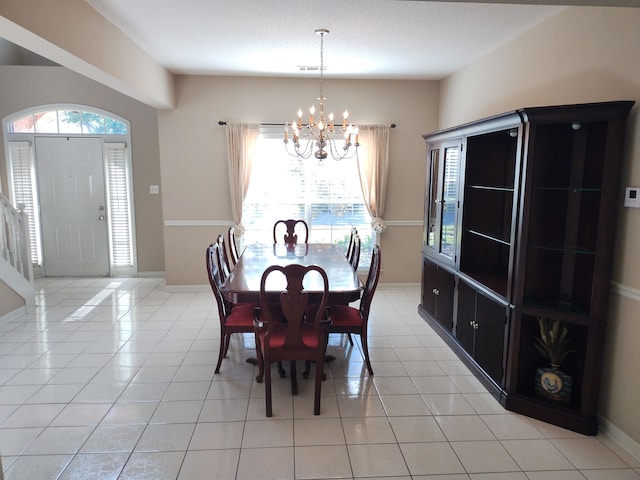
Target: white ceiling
<point>368,39</point>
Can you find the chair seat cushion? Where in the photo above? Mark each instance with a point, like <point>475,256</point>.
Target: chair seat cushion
<point>344,316</point>
<point>309,336</point>
<point>241,315</point>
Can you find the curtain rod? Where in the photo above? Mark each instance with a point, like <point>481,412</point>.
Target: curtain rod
<point>223,123</point>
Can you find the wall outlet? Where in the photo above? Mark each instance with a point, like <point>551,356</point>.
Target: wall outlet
<point>154,189</point>
<point>632,197</point>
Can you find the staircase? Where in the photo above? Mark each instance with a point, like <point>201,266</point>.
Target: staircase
<point>16,271</point>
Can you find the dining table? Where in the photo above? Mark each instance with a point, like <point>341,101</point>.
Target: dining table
<point>243,283</point>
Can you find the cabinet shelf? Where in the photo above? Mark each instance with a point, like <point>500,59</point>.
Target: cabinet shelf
<point>501,236</point>
<point>491,188</point>
<point>570,249</point>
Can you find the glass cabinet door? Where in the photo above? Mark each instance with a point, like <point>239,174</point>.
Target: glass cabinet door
<point>442,200</point>
<point>449,201</point>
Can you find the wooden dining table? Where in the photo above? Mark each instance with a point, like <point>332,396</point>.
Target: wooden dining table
<point>243,284</point>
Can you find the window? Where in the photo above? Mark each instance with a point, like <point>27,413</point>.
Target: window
<point>328,197</point>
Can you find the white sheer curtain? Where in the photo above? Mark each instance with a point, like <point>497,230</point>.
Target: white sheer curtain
<point>373,167</point>
<point>241,145</point>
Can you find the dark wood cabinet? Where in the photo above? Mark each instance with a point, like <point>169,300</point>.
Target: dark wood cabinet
<point>437,294</point>
<point>536,194</point>
<point>481,330</point>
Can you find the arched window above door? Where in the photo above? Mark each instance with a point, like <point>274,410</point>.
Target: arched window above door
<point>67,121</point>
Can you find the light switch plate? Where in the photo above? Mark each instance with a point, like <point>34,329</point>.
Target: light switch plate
<point>632,197</point>
<point>154,189</point>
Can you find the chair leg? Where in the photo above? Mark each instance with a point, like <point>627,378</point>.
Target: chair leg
<point>318,386</point>
<point>267,390</point>
<point>281,370</point>
<point>365,350</point>
<point>350,339</point>
<point>307,369</point>
<point>260,360</point>
<point>227,341</point>
<point>220,354</point>
<point>294,378</point>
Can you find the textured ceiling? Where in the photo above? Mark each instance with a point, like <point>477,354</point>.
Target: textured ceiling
<point>368,39</point>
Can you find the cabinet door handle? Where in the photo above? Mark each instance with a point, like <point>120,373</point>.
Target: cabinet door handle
<point>436,291</point>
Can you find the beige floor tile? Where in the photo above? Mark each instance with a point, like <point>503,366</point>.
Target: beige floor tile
<point>484,456</point>
<point>208,464</point>
<point>266,463</point>
<point>381,460</point>
<point>435,458</point>
<point>535,455</point>
<point>312,462</point>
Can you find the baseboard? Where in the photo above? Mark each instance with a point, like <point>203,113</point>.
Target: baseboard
<point>398,286</point>
<point>11,315</point>
<point>618,436</point>
<point>159,274</point>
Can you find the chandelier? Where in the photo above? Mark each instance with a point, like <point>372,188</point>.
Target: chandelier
<point>320,136</point>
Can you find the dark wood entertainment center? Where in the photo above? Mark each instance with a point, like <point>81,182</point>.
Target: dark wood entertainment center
<point>520,218</point>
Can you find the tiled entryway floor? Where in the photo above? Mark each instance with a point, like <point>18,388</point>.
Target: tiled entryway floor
<point>113,378</point>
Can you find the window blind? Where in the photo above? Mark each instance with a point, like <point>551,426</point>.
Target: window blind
<point>118,204</point>
<point>22,181</point>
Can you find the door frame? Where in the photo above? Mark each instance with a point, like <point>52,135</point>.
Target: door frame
<point>114,270</point>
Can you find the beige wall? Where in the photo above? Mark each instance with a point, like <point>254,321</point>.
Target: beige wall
<point>32,86</point>
<point>194,163</point>
<point>9,300</point>
<point>579,55</point>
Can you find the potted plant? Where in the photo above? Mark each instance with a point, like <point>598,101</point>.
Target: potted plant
<point>554,344</point>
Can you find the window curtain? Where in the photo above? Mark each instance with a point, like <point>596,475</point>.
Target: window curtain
<point>373,167</point>
<point>241,145</point>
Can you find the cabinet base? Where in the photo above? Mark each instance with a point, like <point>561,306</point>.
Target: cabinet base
<point>492,387</point>
<point>540,410</point>
<point>560,416</point>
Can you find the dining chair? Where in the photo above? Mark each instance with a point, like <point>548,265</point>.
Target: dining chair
<point>297,337</point>
<point>233,246</point>
<point>225,267</point>
<point>234,318</point>
<point>352,320</point>
<point>294,228</point>
<point>354,232</point>
<point>354,257</point>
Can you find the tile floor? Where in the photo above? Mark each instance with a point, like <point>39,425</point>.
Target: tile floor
<point>113,379</point>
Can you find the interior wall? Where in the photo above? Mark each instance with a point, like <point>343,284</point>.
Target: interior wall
<point>27,86</point>
<point>582,54</point>
<point>196,203</point>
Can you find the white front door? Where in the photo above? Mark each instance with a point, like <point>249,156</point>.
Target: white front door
<point>72,206</point>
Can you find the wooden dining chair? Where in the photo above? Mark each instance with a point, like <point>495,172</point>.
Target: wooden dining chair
<point>297,337</point>
<point>354,257</point>
<point>352,320</point>
<point>294,228</point>
<point>225,267</point>
<point>233,246</point>
<point>354,232</point>
<point>234,318</point>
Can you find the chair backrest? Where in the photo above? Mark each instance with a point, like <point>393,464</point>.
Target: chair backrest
<point>371,283</point>
<point>293,228</point>
<point>215,278</point>
<point>354,232</point>
<point>233,246</point>
<point>355,252</point>
<point>225,268</point>
<point>293,304</point>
